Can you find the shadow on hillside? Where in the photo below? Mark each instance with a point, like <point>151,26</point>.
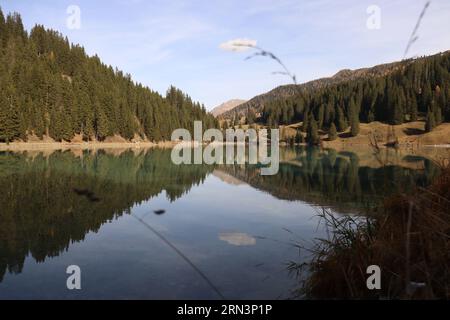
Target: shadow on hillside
<point>345,135</point>
<point>413,131</point>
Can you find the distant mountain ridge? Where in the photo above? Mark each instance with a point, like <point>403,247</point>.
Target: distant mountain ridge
<point>257,103</point>
<point>226,106</point>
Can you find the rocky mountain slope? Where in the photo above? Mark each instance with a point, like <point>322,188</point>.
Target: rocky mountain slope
<point>227,106</point>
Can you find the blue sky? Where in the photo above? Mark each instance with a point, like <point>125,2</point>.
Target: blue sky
<point>162,43</point>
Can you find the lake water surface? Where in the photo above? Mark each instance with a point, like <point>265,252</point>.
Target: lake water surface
<point>140,227</point>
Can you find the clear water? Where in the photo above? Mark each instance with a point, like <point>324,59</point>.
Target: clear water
<point>217,231</point>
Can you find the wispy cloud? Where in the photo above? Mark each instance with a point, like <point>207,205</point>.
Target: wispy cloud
<point>238,45</point>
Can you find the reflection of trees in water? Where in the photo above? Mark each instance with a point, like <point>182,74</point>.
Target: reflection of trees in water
<point>46,202</point>
<point>329,178</point>
<point>49,202</point>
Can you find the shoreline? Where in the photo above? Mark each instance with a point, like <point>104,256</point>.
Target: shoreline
<point>346,144</point>
<point>24,146</point>
<point>409,135</point>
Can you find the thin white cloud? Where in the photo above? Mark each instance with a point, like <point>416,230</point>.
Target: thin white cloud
<point>238,45</point>
<point>238,239</point>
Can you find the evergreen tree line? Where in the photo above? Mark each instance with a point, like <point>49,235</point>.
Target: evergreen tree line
<point>49,86</point>
<point>416,89</point>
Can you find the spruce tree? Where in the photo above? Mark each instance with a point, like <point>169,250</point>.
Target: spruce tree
<point>332,133</point>
<point>413,108</point>
<point>341,124</point>
<point>299,137</point>
<point>354,118</point>
<point>305,124</point>
<point>437,115</point>
<point>9,120</point>
<point>101,125</point>
<point>320,116</point>
<point>225,125</point>
<point>313,132</point>
<point>2,30</point>
<point>354,129</point>
<point>430,123</point>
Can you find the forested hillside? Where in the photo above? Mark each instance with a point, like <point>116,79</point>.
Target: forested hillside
<point>51,87</point>
<point>393,93</point>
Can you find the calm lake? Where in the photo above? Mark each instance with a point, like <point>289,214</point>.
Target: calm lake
<point>140,227</point>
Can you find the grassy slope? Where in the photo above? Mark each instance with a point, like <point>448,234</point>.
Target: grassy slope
<point>408,134</point>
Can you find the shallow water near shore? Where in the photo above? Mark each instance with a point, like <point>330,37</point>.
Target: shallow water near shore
<point>141,227</point>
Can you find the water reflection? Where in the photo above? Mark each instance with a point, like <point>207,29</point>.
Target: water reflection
<point>238,239</point>
<point>51,201</point>
<point>344,181</point>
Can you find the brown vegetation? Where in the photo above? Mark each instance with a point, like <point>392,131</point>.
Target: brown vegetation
<point>409,238</point>
<point>408,134</point>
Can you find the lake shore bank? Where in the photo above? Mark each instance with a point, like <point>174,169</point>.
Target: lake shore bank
<point>25,146</point>
<point>338,145</point>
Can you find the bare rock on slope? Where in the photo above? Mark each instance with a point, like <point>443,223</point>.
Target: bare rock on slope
<point>227,106</point>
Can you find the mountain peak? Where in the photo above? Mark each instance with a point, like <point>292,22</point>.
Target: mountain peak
<point>227,106</point>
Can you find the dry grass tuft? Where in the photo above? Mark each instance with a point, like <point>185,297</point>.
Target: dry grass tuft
<point>409,238</point>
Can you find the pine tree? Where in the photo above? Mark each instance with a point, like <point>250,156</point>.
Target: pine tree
<point>354,131</point>
<point>370,116</point>
<point>2,30</point>
<point>225,125</point>
<point>299,137</point>
<point>332,133</point>
<point>321,116</point>
<point>413,108</point>
<point>55,128</point>
<point>101,125</point>
<point>341,124</point>
<point>397,107</point>
<point>354,124</point>
<point>313,132</point>
<point>354,119</point>
<point>88,127</point>
<point>305,124</point>
<point>9,120</point>
<point>438,115</point>
<point>430,123</point>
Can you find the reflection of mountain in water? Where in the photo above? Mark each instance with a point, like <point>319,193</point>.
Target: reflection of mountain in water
<point>48,202</point>
<point>329,178</point>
